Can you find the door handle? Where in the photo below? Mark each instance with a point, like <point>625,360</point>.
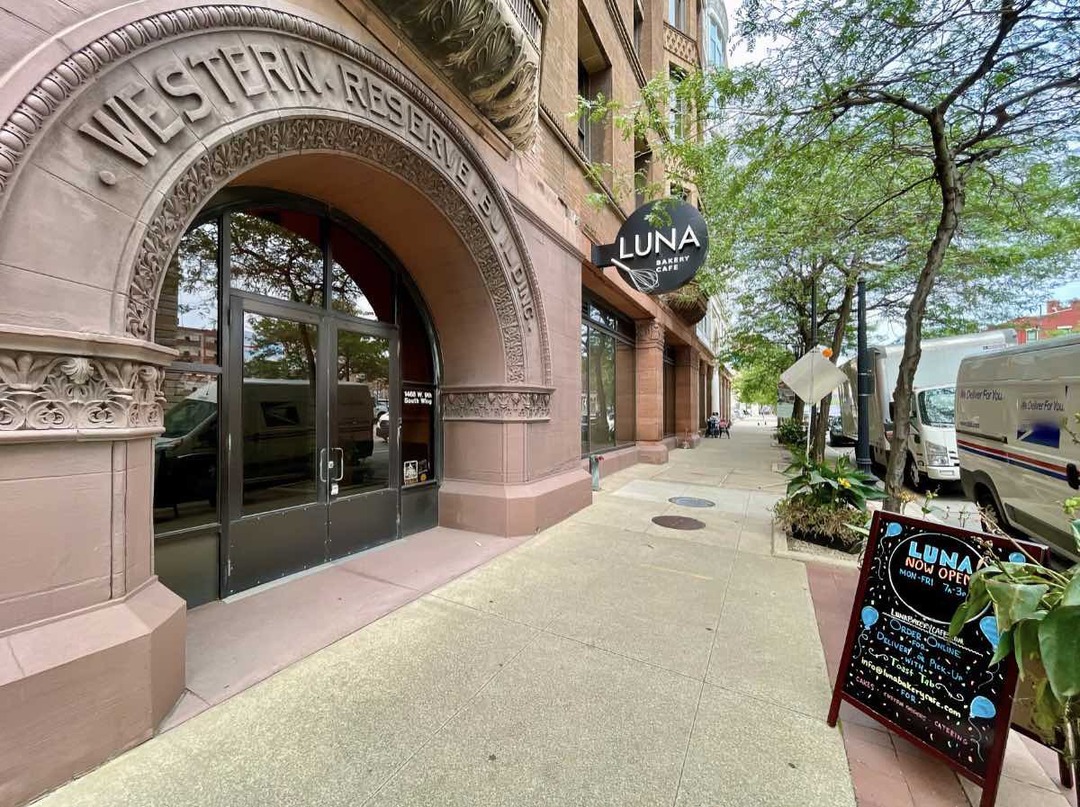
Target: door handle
<point>341,464</point>
<point>322,464</point>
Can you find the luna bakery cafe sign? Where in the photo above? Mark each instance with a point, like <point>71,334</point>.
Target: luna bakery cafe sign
<point>659,248</point>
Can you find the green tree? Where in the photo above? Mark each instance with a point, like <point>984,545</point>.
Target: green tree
<point>972,99</point>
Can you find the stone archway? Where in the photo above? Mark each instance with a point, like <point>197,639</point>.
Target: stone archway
<point>322,91</point>
<point>103,164</point>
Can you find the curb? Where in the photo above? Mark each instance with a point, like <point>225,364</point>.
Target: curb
<point>780,549</point>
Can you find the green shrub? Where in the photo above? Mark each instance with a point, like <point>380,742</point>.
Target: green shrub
<point>826,503</point>
<point>791,432</point>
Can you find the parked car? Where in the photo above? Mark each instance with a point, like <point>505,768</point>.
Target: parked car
<point>382,426</point>
<point>1015,429</point>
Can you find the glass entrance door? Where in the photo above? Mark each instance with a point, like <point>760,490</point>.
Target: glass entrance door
<point>312,438</point>
<point>276,443</point>
<point>363,433</point>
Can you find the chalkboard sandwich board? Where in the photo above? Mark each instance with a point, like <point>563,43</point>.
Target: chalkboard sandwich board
<point>899,664</point>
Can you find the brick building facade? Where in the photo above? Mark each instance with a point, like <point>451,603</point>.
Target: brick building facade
<point>281,281</point>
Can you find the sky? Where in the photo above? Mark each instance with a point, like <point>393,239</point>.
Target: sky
<point>884,330</point>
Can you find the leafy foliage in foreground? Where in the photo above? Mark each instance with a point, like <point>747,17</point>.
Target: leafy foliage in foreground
<point>1038,617</point>
<point>827,503</point>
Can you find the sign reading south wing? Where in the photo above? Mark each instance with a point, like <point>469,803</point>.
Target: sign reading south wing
<point>659,248</point>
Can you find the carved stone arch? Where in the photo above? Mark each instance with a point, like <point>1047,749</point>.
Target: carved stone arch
<point>268,140</point>
<point>497,243</point>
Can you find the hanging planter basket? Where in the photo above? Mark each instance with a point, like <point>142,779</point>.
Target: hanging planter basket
<point>690,304</point>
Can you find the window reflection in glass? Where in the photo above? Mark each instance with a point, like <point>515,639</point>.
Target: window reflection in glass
<point>277,253</point>
<point>185,455</point>
<point>187,314</point>
<point>625,393</point>
<point>608,388</point>
<point>584,388</point>
<point>278,413</point>
<point>363,379</point>
<point>601,390</point>
<point>361,284</point>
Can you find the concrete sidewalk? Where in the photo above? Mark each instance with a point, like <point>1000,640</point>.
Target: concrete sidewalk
<point>607,661</point>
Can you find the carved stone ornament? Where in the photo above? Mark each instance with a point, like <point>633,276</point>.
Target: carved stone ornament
<point>48,392</point>
<point>497,404</point>
<point>483,48</point>
<point>502,257</point>
<point>650,333</point>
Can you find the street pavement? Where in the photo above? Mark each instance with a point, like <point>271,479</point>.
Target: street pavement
<point>606,661</point>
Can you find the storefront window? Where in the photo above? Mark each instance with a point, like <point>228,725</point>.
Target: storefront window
<point>187,314</point>
<point>607,380</point>
<point>185,455</point>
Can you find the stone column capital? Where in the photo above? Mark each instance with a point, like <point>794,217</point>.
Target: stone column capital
<point>650,333</point>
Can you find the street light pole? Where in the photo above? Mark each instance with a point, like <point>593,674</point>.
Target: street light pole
<point>862,449</point>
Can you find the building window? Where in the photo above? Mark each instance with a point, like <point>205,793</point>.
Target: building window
<point>642,162</point>
<point>1032,334</point>
<point>669,391</point>
<point>593,82</point>
<point>608,375</point>
<point>639,25</point>
<point>680,117</point>
<point>677,13</point>
<point>715,51</point>
<point>584,141</point>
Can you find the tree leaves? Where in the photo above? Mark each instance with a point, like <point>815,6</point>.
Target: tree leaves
<point>1014,602</point>
<point>1059,644</point>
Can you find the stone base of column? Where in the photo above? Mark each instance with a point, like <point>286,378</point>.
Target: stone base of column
<point>509,510</point>
<point>79,689</point>
<point>655,452</point>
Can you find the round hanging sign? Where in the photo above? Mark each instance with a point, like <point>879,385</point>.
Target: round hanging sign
<point>659,248</point>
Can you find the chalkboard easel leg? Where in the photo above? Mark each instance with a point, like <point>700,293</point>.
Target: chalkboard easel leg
<point>1065,773</point>
<point>834,708</point>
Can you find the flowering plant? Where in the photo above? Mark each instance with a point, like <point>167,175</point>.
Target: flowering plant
<point>827,503</point>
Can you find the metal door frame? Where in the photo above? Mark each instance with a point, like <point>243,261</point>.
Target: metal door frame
<point>232,504</point>
<point>336,323</point>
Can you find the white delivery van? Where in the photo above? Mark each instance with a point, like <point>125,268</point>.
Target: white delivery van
<point>931,446</point>
<point>1015,428</point>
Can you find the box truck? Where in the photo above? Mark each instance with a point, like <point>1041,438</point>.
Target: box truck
<point>931,446</point>
<point>1018,438</point>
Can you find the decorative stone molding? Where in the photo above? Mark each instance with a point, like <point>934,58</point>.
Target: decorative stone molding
<point>650,333</point>
<point>485,50</point>
<point>275,138</point>
<point>47,392</point>
<point>513,404</point>
<point>680,45</point>
<point>505,253</point>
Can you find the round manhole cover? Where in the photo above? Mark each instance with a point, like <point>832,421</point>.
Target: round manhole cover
<point>679,522</point>
<point>691,501</point>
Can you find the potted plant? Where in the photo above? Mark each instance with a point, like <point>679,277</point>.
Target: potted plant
<point>1038,618</point>
<point>827,503</point>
